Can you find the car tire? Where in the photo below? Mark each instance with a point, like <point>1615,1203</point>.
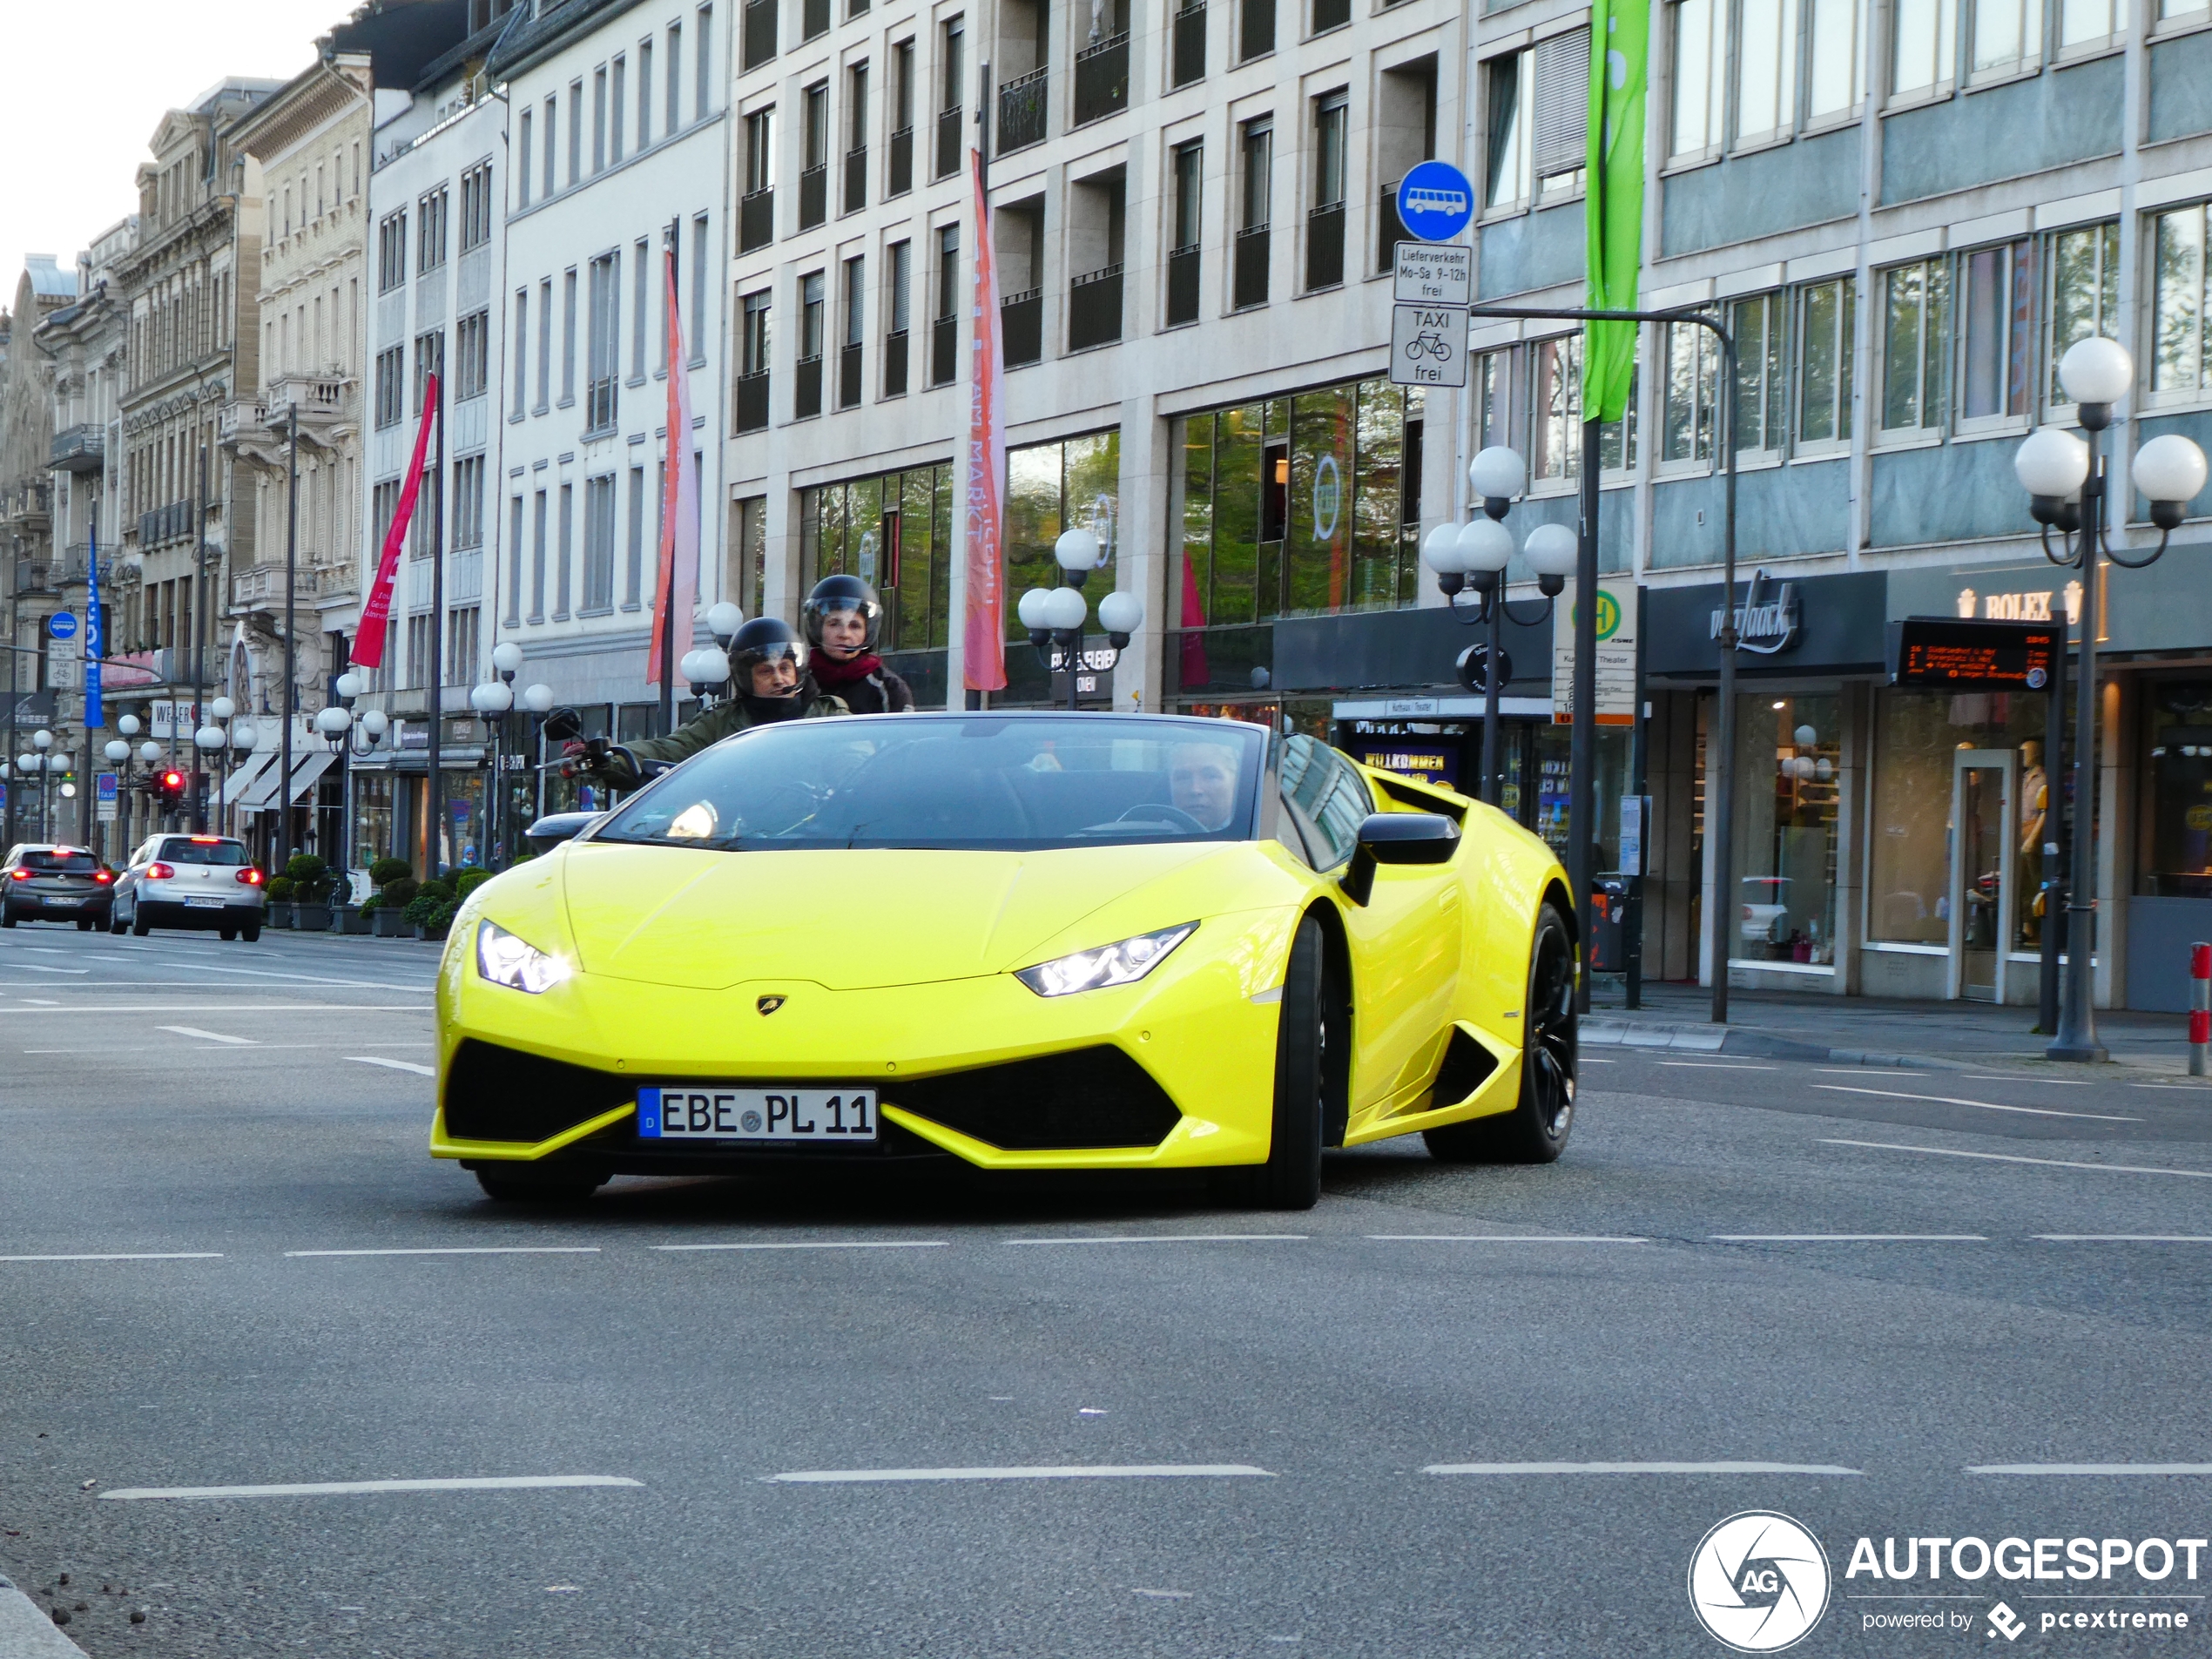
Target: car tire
<point>139,926</point>
<point>540,1183</point>
<point>251,932</point>
<point>227,934</point>
<point>85,924</point>
<point>1535,1131</point>
<point>1309,1021</point>
<point>7,918</point>
<point>116,924</point>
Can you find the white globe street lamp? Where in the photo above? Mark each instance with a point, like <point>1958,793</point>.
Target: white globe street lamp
<point>118,752</point>
<point>150,752</point>
<point>723,621</point>
<point>491,697</point>
<point>538,698</point>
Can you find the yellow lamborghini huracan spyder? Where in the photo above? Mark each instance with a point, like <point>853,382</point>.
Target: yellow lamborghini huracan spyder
<point>1067,942</point>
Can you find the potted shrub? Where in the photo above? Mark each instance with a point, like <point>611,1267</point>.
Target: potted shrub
<point>440,922</point>
<point>430,898</point>
<point>279,901</point>
<point>310,878</point>
<point>389,918</point>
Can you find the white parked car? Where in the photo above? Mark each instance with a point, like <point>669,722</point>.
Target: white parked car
<point>198,881</point>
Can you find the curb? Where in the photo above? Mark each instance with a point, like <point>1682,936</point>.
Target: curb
<point>1738,1040</point>
<point>28,1631</point>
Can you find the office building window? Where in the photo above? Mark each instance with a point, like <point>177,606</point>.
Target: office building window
<point>391,252</point>
<point>1766,84</point>
<point>576,131</point>
<point>522,162</point>
<point>618,113</point>
<point>1916,319</point>
<point>468,501</point>
<point>391,384</point>
<point>564,552</point>
<point>1834,83</point>
<point>2085,293</point>
<point>521,349</point>
<point>598,121</point>
<point>1688,414</point>
<point>430,231</point>
<point>475,204</point>
<point>514,560</point>
<point>645,92</point>
<point>1997,334</point>
<point>568,337</point>
<point>552,111</point>
<point>602,349</point>
<point>1922,47</point>
<point>599,544</point>
<point>1759,324</point>
<point>1556,418</point>
<point>538,533</point>
<point>698,353</point>
<point>1537,109</point>
<point>703,62</point>
<point>640,284</point>
<point>429,359</point>
<point>634,560</point>
<point>472,356</point>
<point>2009,35</point>
<point>1826,313</point>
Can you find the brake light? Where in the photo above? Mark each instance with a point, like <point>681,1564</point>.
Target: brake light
<point>20,875</point>
<point>251,876</point>
<point>160,873</point>
<point>206,840</point>
<point>103,877</point>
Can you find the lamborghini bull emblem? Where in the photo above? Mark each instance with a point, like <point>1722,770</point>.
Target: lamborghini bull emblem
<point>768,1004</point>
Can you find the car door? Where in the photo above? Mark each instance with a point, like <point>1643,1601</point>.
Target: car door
<point>1405,940</point>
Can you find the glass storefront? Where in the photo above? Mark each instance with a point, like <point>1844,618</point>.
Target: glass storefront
<point>1787,794</point>
<point>1291,506</point>
<point>894,531</point>
<point>1918,737</point>
<point>2178,797</point>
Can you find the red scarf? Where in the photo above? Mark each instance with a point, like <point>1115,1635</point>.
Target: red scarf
<point>829,674</point>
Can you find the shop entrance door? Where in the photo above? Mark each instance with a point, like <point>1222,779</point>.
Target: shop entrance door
<point>1981,872</point>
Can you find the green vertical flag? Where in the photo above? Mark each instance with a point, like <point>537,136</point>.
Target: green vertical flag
<point>1612,205</point>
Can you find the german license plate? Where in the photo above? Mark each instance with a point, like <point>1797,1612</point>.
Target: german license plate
<point>693,1112</point>
<point>203,904</point>
<point>64,903</point>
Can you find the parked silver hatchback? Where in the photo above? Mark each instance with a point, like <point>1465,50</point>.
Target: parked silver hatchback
<point>196,881</point>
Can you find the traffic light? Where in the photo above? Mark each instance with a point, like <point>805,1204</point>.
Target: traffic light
<point>169,788</point>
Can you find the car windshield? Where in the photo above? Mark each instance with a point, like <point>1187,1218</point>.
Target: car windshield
<point>61,863</point>
<point>192,849</point>
<point>982,781</point>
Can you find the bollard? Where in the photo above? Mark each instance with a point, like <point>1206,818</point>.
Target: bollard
<point>2200,1007</point>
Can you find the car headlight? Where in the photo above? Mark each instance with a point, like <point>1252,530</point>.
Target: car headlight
<point>1118,964</point>
<point>520,965</point>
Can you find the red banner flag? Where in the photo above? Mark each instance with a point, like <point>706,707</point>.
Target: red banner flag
<point>983,631</point>
<point>368,643</point>
<point>676,590</point>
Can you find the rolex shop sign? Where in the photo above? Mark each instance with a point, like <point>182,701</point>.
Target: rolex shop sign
<point>1617,618</point>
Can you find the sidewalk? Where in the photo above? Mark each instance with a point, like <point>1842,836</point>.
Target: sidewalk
<point>1865,1030</point>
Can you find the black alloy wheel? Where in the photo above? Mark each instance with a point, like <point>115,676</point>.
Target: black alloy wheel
<point>1535,1131</point>
<point>540,1182</point>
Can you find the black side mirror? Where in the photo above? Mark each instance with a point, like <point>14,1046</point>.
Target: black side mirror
<point>562,725</point>
<point>556,827</point>
<point>1398,838</point>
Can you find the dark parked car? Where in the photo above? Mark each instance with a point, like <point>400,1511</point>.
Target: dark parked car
<point>42,882</point>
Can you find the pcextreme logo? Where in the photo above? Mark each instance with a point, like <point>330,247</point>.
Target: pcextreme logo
<point>1758,1581</point>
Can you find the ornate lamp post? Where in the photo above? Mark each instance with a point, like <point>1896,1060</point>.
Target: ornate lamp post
<point>2068,484</point>
<point>1055,617</point>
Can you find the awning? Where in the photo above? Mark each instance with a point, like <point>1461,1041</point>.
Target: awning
<point>306,769</point>
<point>234,787</point>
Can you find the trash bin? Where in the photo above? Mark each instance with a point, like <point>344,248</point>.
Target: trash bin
<point>1609,924</point>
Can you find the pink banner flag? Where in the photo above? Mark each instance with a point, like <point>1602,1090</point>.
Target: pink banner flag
<point>983,631</point>
<point>368,642</point>
<point>676,591</point>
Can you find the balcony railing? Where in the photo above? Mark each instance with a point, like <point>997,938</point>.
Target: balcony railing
<point>1182,285</point>
<point>856,180</point>
<point>1256,36</point>
<point>33,576</point>
<point>1094,309</point>
<point>806,394</point>
<point>813,196</point>
<point>944,350</point>
<point>752,402</point>
<point>848,376</point>
<point>949,124</point>
<point>336,581</point>
<point>263,584</point>
<point>1389,230</point>
<point>73,561</point>
<point>1021,327</point>
<point>1331,14</point>
<point>79,448</point>
<point>813,19</point>
<point>168,523</point>
<point>902,163</point>
<point>759,31</point>
<point>1189,62</point>
<point>1325,247</point>
<point>1022,110</point>
<point>757,219</point>
<point>25,503</point>
<point>321,400</point>
<point>1249,286</point>
<point>1102,79</point>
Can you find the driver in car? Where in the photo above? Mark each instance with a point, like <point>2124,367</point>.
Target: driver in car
<point>774,684</point>
<point>1202,781</point>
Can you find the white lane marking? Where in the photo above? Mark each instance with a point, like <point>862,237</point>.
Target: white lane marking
<point>2090,1468</point>
<point>824,1244</point>
<point>1169,1238</point>
<point>206,1037</point>
<point>1860,1071</point>
<point>2052,1082</point>
<point>2007,1157</point>
<point>2186,1089</point>
<point>1849,1239</point>
<point>143,1256</point>
<point>108,957</point>
<point>1638,1468</point>
<point>394,1065</point>
<point>1592,1060</point>
<point>1164,1595</point>
<point>39,1002</point>
<point>331,1488</point>
<point>1038,1472</point>
<point>1716,1065</point>
<point>1986,1105</point>
<point>2127,1238</point>
<point>40,968</point>
<point>464,1250</point>
<point>1504,1239</point>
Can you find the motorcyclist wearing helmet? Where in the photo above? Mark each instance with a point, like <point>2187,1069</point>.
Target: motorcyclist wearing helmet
<point>843,619</point>
<point>768,673</point>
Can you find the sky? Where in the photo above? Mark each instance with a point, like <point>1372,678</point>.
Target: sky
<point>81,93</point>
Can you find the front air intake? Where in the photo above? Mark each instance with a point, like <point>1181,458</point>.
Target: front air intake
<point>496,1094</point>
<point>1091,1097</point>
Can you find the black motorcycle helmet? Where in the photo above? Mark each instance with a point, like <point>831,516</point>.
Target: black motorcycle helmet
<point>835,593</point>
<point>761,640</point>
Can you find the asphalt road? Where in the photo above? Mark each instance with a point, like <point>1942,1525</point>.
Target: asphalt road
<point>213,1191</point>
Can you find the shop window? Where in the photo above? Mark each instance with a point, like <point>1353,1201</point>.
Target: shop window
<point>1918,736</point>
<point>1826,318</point>
<point>893,531</point>
<point>1916,325</point>
<point>1787,795</point>
<point>2085,295</point>
<point>2179,808</point>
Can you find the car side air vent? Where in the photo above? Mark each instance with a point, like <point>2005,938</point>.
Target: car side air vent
<point>1466,1067</point>
<point>496,1094</point>
<point>1091,1097</point>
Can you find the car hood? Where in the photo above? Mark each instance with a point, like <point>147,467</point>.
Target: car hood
<point>848,920</point>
